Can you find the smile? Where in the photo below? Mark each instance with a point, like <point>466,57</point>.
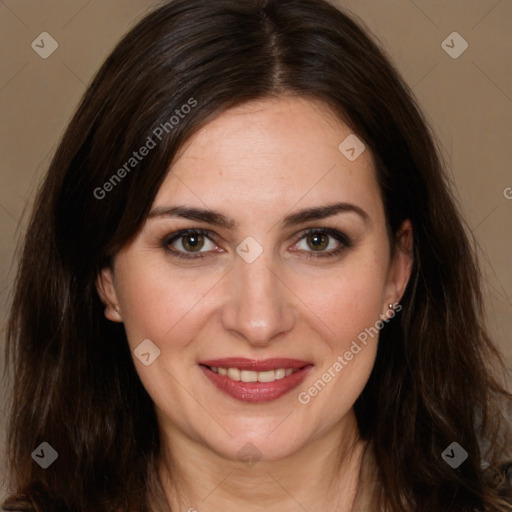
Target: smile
<point>255,381</point>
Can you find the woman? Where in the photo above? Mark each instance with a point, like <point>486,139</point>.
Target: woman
<point>245,284</point>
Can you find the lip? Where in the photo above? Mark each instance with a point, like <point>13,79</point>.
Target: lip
<point>256,392</point>
<point>255,365</point>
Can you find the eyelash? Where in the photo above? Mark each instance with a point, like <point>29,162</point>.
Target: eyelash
<point>345,243</point>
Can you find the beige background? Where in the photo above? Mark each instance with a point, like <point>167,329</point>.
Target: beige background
<point>468,101</point>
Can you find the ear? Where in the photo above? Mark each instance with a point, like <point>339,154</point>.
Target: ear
<point>400,267</point>
<point>106,291</point>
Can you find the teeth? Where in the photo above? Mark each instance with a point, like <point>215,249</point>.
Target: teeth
<point>248,376</point>
<point>252,376</point>
<point>234,373</point>
<point>269,376</point>
<point>280,373</point>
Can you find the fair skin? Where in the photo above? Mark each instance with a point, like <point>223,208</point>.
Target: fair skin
<point>256,164</point>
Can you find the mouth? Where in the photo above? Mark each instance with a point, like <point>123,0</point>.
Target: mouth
<point>249,380</point>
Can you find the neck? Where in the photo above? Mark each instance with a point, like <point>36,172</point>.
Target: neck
<point>323,474</point>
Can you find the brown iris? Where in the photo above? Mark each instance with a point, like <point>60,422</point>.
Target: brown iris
<point>192,242</point>
<point>319,241</point>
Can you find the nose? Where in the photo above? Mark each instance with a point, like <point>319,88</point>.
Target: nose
<point>260,303</point>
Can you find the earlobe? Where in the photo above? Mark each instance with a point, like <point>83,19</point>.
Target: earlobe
<point>106,291</point>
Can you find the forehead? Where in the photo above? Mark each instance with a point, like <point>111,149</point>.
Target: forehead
<point>269,153</point>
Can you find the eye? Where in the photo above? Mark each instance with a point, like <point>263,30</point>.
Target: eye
<point>185,243</point>
<point>316,241</point>
<point>193,243</point>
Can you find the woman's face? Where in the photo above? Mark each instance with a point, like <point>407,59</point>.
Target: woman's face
<point>263,290</point>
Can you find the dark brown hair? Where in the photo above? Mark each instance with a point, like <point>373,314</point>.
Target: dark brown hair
<point>74,384</point>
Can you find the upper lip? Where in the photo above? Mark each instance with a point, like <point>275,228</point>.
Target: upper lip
<point>243,363</point>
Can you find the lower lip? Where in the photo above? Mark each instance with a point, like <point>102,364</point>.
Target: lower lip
<point>256,391</point>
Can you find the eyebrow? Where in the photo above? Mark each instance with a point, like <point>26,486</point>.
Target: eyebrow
<point>218,219</point>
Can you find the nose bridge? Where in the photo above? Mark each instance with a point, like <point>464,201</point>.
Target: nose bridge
<point>259,304</point>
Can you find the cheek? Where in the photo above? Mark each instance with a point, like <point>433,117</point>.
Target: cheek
<point>350,313</point>
<point>350,306</point>
<point>347,301</point>
<point>156,303</point>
